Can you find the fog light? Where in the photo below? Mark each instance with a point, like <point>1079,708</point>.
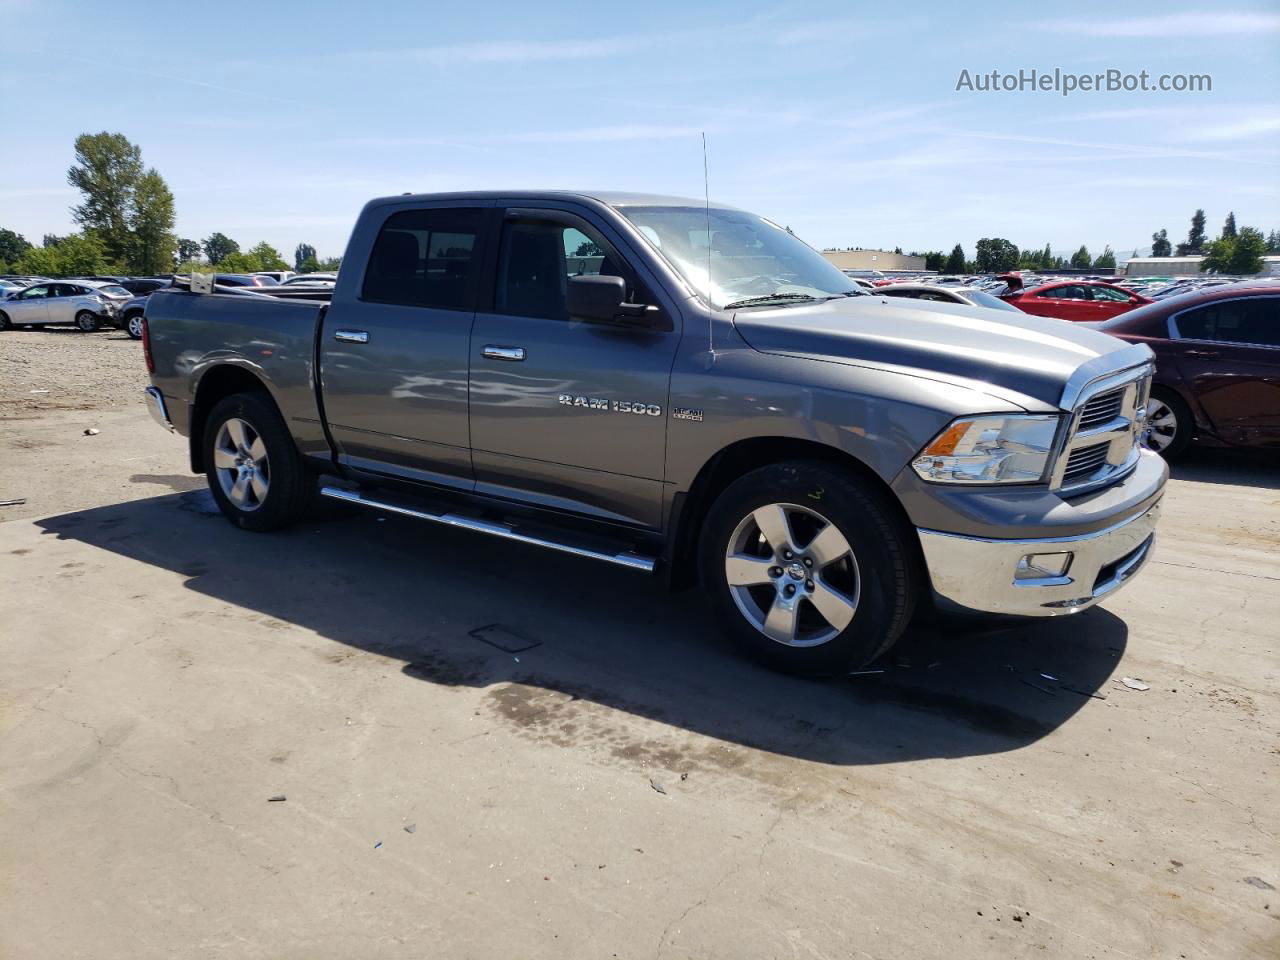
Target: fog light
<point>1038,566</point>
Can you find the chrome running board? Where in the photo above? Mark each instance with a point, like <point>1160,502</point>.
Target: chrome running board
<point>630,560</point>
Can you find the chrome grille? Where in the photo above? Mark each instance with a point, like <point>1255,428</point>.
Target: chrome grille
<point>1085,462</point>
<point>1101,409</point>
<point>1101,442</point>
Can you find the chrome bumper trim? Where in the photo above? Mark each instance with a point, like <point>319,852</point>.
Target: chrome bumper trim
<point>156,407</point>
<point>978,574</point>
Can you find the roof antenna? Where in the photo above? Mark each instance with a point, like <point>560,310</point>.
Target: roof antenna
<point>706,193</point>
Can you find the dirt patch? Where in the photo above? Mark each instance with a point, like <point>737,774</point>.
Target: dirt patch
<point>63,369</point>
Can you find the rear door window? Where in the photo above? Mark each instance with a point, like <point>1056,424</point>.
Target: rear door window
<point>426,258</point>
<point>1254,321</point>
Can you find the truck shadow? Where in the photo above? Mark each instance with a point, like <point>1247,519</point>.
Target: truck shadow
<point>415,593</point>
<point>1241,468</point>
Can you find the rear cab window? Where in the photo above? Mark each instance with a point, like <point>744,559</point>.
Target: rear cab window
<point>426,258</point>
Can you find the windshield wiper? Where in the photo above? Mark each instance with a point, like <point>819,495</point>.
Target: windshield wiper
<point>773,297</point>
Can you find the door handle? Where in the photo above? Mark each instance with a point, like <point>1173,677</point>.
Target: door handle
<point>494,352</point>
<point>1203,354</point>
<point>351,336</point>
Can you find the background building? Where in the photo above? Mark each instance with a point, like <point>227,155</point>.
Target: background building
<point>873,260</point>
<point>1185,267</point>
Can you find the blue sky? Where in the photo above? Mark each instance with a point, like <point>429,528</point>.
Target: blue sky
<point>277,121</point>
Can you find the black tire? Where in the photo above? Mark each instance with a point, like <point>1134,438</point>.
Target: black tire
<point>127,324</point>
<point>883,573</point>
<point>4,321</point>
<point>1169,444</point>
<point>86,321</point>
<point>291,487</point>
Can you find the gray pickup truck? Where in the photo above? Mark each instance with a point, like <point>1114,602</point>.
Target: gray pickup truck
<point>678,388</point>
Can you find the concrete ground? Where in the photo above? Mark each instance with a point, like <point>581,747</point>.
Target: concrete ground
<point>625,786</point>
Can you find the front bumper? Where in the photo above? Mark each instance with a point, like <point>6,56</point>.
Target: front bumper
<point>157,408</point>
<point>982,574</point>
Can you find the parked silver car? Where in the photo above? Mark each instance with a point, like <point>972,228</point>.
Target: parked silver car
<point>84,303</point>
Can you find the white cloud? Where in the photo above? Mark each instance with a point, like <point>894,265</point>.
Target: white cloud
<point>531,51</point>
<point>1160,24</point>
<point>607,134</point>
<point>1237,130</point>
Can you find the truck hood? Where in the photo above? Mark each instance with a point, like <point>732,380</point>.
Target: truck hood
<point>1019,352</point>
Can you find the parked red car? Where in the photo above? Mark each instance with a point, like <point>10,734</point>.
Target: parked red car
<point>1217,366</point>
<point>1075,300</point>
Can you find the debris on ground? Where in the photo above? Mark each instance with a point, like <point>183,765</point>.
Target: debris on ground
<point>1085,693</point>
<point>659,787</point>
<point>1134,683</point>
<point>1042,689</point>
<point>863,673</point>
<point>377,845</point>
<point>92,432</point>
<point>19,501</point>
<point>684,776</point>
<point>504,638</point>
<point>410,828</point>
<point>278,798</point>
<point>1259,883</point>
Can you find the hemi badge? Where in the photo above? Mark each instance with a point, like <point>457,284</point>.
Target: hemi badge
<point>686,413</point>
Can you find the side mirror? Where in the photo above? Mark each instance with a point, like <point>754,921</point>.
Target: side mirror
<point>603,299</point>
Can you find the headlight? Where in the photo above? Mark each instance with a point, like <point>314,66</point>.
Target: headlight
<point>1001,449</point>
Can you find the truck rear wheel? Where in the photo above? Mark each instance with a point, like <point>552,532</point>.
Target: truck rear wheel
<point>807,568</point>
<point>255,472</point>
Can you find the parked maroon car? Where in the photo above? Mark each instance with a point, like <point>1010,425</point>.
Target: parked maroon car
<point>1075,300</point>
<point>1217,366</point>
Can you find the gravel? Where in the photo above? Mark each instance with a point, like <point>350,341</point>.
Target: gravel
<point>64,369</point>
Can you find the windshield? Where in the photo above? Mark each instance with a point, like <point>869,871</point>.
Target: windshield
<point>981,299</point>
<point>750,258</point>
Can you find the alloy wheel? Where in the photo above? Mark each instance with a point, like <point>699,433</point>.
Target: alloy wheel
<point>86,321</point>
<point>1161,426</point>
<point>135,327</point>
<point>240,462</point>
<point>792,574</point>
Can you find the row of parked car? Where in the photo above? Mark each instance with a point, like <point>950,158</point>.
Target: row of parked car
<point>90,302</point>
<point>1216,341</point>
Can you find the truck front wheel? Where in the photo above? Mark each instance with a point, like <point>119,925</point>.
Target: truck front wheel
<point>807,568</point>
<point>255,471</point>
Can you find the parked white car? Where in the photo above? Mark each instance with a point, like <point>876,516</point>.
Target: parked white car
<point>81,302</point>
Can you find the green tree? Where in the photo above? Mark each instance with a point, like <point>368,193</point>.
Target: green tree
<point>12,246</point>
<point>76,255</point>
<point>1247,251</point>
<point>1160,245</point>
<point>50,240</point>
<point>267,257</point>
<point>107,170</point>
<point>1195,237</point>
<point>1273,241</point>
<point>301,254</point>
<point>151,220</point>
<point>309,265</point>
<point>1229,227</point>
<point>955,262</point>
<point>935,260</point>
<point>1081,258</point>
<point>238,262</point>
<point>218,246</point>
<point>188,250</point>
<point>330,264</point>
<point>1106,259</point>
<point>995,255</point>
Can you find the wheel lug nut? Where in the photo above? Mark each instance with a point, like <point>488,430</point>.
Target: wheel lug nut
<point>808,584</point>
<point>786,554</point>
<point>775,571</point>
<point>808,561</point>
<point>791,590</point>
